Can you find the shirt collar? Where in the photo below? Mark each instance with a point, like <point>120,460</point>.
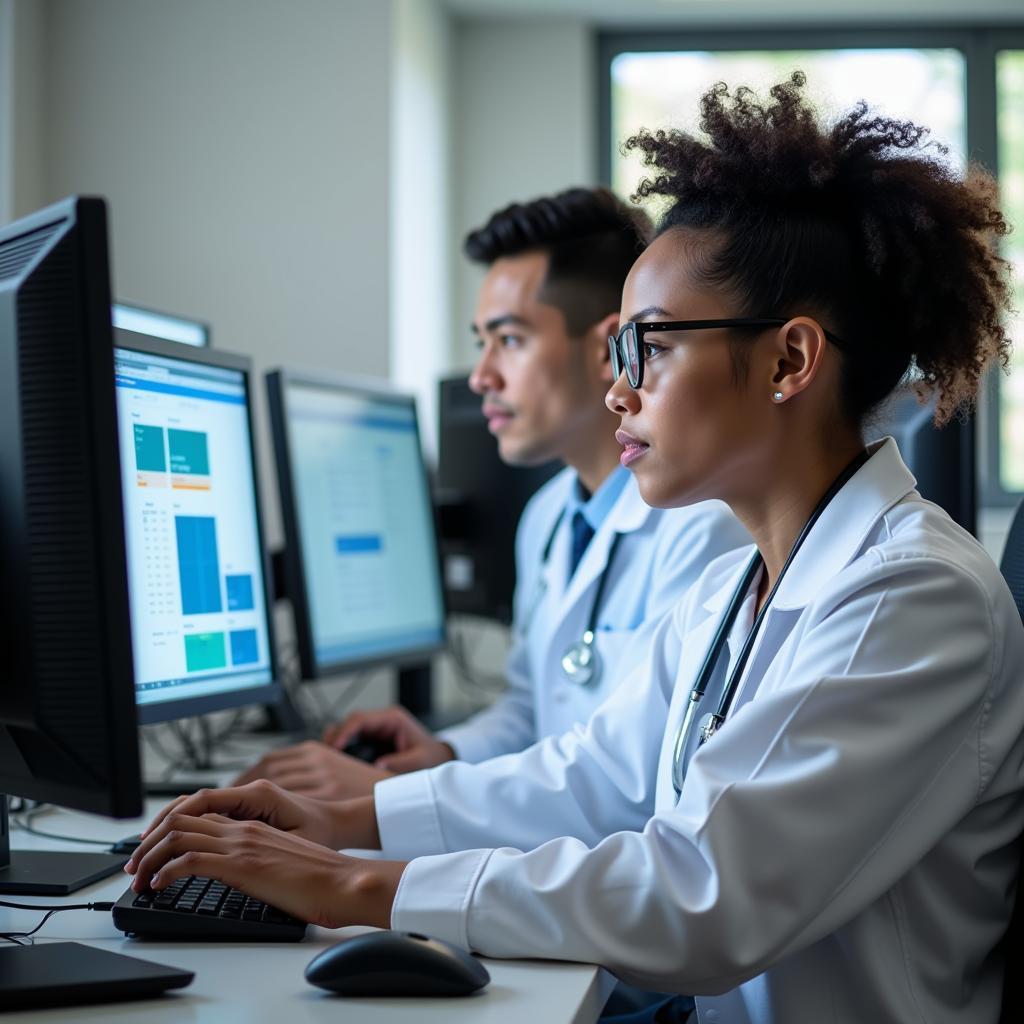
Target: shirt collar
<point>839,533</point>
<point>595,509</point>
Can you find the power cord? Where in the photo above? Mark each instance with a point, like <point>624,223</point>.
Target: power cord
<point>24,826</point>
<point>473,680</point>
<point>25,938</point>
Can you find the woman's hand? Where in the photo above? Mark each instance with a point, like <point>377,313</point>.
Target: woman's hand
<point>315,770</point>
<point>274,846</point>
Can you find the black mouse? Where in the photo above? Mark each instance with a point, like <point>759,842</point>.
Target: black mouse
<point>368,748</point>
<point>387,963</point>
<point>127,845</point>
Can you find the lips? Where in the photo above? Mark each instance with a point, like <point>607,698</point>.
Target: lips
<point>632,447</point>
<point>497,417</point>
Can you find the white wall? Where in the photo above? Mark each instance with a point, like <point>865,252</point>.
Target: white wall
<point>244,147</point>
<point>22,94</point>
<point>421,205</point>
<point>525,125</point>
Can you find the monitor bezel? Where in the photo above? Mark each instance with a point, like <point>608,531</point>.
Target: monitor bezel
<point>85,219</point>
<point>265,693</point>
<point>202,325</point>
<point>277,382</point>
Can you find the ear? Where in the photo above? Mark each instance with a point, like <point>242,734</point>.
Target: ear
<point>797,357</point>
<point>601,331</point>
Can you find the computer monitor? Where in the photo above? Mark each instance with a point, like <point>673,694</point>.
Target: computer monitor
<point>480,499</point>
<point>942,459</point>
<point>197,575</point>
<point>67,704</point>
<point>361,561</point>
<point>154,324</point>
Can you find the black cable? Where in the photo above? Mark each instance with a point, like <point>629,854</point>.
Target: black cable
<point>16,937</point>
<point>24,826</point>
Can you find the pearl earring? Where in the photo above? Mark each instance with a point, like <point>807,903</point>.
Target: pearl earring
<point>778,396</point>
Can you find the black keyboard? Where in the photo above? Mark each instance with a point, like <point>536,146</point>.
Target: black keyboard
<point>201,909</point>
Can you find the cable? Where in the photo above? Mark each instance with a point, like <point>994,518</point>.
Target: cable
<point>17,937</point>
<point>490,683</point>
<point>25,827</point>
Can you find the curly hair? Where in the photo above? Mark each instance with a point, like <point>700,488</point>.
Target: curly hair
<point>591,238</point>
<point>861,222</point>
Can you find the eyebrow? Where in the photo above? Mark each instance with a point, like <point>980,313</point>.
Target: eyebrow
<point>649,311</point>
<point>500,321</point>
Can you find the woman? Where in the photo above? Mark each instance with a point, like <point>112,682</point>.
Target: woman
<point>804,805</point>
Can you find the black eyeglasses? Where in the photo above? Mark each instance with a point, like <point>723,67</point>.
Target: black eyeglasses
<point>627,347</point>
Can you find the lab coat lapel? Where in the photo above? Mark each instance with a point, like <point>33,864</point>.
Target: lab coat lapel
<point>839,534</point>
<point>832,544</point>
<point>629,513</point>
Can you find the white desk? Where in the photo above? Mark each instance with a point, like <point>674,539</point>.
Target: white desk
<point>250,983</point>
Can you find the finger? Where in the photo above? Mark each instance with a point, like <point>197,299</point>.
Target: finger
<point>216,863</point>
<point>264,768</point>
<point>178,834</point>
<point>237,802</point>
<point>162,813</point>
<point>341,733</point>
<point>406,761</point>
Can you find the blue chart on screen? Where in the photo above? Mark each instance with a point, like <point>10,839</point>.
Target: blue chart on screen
<point>199,621</point>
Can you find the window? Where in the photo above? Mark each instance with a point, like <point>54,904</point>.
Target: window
<point>966,85</point>
<point>651,90</point>
<point>1010,402</point>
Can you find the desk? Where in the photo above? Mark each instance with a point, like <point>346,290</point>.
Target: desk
<point>253,982</point>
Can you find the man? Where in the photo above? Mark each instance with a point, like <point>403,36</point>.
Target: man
<point>594,564</point>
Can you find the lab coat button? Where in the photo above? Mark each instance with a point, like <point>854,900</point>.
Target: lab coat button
<point>711,1016</point>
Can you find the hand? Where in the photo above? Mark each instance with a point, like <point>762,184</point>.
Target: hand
<point>269,844</point>
<point>415,746</point>
<point>315,770</point>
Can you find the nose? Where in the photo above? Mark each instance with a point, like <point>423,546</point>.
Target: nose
<point>485,376</point>
<point>621,398</point>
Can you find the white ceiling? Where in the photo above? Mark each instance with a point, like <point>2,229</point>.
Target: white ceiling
<point>737,13</point>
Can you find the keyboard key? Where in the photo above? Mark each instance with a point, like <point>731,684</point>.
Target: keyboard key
<point>189,907</point>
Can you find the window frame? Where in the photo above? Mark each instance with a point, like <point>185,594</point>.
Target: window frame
<point>978,43</point>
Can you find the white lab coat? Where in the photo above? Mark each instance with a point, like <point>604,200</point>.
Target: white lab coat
<point>843,848</point>
<point>661,554</point>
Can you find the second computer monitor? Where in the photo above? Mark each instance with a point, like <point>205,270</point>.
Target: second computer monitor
<point>201,631</point>
<point>362,566</point>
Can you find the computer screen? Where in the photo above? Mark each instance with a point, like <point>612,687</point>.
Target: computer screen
<point>140,320</point>
<point>196,573</point>
<point>68,731</point>
<point>361,565</point>
<point>480,500</point>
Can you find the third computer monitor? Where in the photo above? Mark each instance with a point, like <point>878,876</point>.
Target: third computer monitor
<point>362,566</point>
<point>201,630</point>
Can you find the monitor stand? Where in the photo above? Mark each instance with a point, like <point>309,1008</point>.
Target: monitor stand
<point>48,872</point>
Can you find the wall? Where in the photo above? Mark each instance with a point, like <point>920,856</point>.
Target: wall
<point>243,146</point>
<point>525,123</point>
<point>420,189</point>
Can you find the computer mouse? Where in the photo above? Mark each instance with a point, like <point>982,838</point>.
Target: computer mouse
<point>368,748</point>
<point>127,845</point>
<point>389,963</point>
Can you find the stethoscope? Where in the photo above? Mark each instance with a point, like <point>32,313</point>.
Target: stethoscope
<point>581,663</point>
<point>711,721</point>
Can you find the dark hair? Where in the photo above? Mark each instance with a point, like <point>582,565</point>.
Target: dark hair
<point>591,237</point>
<point>860,223</point>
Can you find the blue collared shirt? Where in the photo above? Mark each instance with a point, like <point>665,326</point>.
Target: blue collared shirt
<point>597,506</point>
